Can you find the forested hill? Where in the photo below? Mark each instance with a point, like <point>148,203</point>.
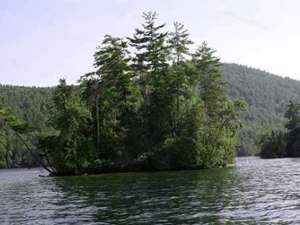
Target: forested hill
<point>266,95</point>
<point>28,103</point>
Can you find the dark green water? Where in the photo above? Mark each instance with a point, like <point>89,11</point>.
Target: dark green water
<point>255,192</point>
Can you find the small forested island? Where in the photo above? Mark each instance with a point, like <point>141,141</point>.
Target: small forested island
<point>150,104</point>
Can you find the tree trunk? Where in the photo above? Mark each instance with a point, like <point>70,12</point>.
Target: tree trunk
<point>98,123</point>
<point>34,154</point>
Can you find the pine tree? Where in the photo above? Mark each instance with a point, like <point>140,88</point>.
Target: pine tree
<point>293,115</point>
<point>210,80</point>
<point>120,95</point>
<point>151,51</point>
<point>150,63</point>
<point>179,42</point>
<point>293,126</point>
<point>222,114</point>
<point>91,93</point>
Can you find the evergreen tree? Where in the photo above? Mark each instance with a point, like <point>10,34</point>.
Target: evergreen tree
<point>211,82</point>
<point>293,126</point>
<point>151,51</point>
<point>283,143</point>
<point>221,114</point>
<point>273,145</point>
<point>120,96</point>
<point>179,42</point>
<point>293,115</point>
<point>151,70</point>
<point>69,150</point>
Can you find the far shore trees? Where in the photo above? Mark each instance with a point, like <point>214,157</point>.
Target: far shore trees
<point>277,144</point>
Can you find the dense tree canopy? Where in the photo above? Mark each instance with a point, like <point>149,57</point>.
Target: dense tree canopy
<point>150,104</point>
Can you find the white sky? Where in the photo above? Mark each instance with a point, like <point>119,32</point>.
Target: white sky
<point>44,40</point>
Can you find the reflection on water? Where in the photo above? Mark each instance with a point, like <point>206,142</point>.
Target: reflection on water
<point>255,192</point>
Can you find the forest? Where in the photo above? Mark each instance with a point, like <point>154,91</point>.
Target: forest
<point>29,104</point>
<point>284,143</point>
<point>150,104</point>
<point>267,96</point>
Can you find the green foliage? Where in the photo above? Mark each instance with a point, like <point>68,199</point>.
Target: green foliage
<point>68,151</point>
<point>284,144</point>
<point>179,42</point>
<point>273,145</point>
<point>23,104</point>
<point>9,122</point>
<point>12,121</point>
<point>151,53</point>
<point>120,97</point>
<point>293,115</point>
<point>222,117</point>
<point>156,107</point>
<point>293,127</point>
<point>266,95</point>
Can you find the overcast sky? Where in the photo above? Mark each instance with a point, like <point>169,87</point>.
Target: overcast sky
<point>44,40</point>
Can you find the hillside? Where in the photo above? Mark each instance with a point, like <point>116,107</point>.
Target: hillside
<point>265,93</point>
<point>267,96</point>
<point>29,104</point>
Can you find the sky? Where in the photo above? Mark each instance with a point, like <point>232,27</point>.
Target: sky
<point>44,40</point>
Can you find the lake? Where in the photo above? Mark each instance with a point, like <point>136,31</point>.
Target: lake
<point>256,191</point>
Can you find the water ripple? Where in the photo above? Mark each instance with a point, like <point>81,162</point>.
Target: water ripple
<point>255,192</point>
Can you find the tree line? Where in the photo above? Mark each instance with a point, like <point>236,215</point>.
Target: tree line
<point>284,143</point>
<point>150,104</point>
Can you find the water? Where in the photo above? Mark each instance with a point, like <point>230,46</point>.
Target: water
<point>256,191</point>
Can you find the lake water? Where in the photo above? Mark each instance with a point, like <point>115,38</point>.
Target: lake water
<point>256,191</point>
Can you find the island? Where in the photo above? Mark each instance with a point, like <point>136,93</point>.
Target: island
<point>150,104</point>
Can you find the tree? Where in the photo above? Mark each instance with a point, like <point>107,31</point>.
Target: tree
<point>273,145</point>
<point>283,143</point>
<point>293,126</point>
<point>120,96</point>
<point>179,42</point>
<point>69,150</point>
<point>221,113</point>
<point>293,115</point>
<point>151,70</point>
<point>91,93</point>
<point>150,51</point>
<point>209,77</point>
